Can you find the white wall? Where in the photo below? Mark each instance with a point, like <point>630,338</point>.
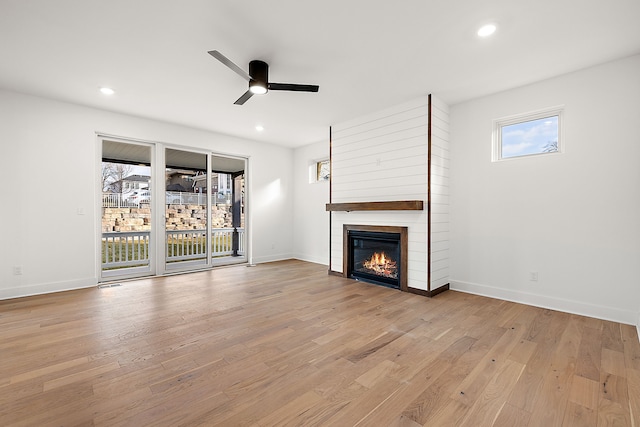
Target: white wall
<point>310,219</point>
<point>48,169</point>
<point>574,217</point>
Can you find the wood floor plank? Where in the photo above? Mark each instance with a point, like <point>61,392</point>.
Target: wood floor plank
<point>633,384</point>
<point>378,373</point>
<point>546,330</point>
<point>487,368</point>
<point>578,415</point>
<point>403,421</point>
<point>511,416</point>
<point>450,412</point>
<point>49,369</point>
<point>550,406</point>
<point>612,414</point>
<point>359,409</point>
<point>284,343</point>
<point>423,406</point>
<point>612,336</point>
<point>487,406</point>
<point>613,362</point>
<point>77,412</point>
<point>298,411</point>
<point>523,351</point>
<point>589,354</point>
<point>462,357</point>
<point>614,388</point>
<point>94,372</point>
<point>585,392</point>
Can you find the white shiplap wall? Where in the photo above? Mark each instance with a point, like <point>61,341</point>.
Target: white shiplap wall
<point>383,157</point>
<point>439,193</point>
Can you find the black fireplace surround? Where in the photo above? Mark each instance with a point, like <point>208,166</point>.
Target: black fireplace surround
<point>375,257</point>
<point>376,254</point>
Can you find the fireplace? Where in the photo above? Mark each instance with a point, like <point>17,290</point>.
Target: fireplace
<point>376,254</point>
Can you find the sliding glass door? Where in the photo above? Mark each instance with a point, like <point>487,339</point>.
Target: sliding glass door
<point>229,237</point>
<point>187,219</point>
<point>167,209</point>
<point>126,226</point>
<point>204,210</point>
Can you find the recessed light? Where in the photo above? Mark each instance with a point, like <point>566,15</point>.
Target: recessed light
<point>259,128</point>
<point>107,91</point>
<point>486,30</point>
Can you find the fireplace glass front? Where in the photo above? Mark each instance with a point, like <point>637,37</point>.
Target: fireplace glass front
<point>375,257</point>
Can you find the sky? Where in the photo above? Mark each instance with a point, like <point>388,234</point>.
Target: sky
<point>530,137</point>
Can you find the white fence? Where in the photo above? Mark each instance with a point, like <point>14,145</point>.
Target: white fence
<point>131,249</point>
<point>125,249</point>
<point>115,200</point>
<point>185,245</point>
<point>118,200</point>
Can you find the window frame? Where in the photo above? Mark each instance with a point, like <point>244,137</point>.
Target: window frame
<point>318,168</point>
<point>499,124</point>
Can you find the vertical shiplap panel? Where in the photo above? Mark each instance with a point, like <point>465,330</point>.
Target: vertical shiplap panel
<point>383,157</point>
<point>439,259</point>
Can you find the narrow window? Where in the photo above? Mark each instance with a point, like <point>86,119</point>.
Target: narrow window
<point>527,135</point>
<point>322,170</point>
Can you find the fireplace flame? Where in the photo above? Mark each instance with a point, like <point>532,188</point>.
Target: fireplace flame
<point>381,265</point>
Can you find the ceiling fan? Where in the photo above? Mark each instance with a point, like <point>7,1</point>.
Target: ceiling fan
<point>258,78</point>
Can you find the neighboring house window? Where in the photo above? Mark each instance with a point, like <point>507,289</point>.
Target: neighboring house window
<point>527,134</point>
<point>323,170</point>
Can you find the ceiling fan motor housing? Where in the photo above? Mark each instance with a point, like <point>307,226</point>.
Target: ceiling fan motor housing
<point>259,72</point>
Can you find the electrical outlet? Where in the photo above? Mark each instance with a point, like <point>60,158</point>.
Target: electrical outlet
<point>533,276</point>
<point>17,270</point>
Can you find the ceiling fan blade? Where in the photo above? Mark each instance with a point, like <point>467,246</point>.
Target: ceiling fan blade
<point>293,87</point>
<point>226,61</point>
<point>248,94</point>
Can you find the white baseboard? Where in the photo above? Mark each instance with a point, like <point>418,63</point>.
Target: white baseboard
<point>313,259</point>
<point>628,317</point>
<point>638,326</point>
<point>47,288</point>
<point>271,258</point>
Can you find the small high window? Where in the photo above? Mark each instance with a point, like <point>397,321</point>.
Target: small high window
<point>323,170</point>
<point>527,134</point>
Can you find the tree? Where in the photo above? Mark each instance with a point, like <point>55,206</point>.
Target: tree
<point>113,175</point>
<point>550,147</point>
<point>107,175</point>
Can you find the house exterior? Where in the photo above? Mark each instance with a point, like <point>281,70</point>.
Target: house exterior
<point>220,183</point>
<point>130,183</point>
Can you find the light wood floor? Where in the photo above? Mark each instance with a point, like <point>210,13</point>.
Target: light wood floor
<point>286,344</point>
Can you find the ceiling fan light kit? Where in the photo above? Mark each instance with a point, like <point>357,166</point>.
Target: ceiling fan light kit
<point>258,78</point>
<point>257,88</point>
<point>259,72</point>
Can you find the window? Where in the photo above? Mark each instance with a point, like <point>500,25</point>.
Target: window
<point>319,170</point>
<point>323,170</point>
<point>527,134</point>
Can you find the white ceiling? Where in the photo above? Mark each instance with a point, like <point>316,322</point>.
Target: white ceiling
<point>365,55</point>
